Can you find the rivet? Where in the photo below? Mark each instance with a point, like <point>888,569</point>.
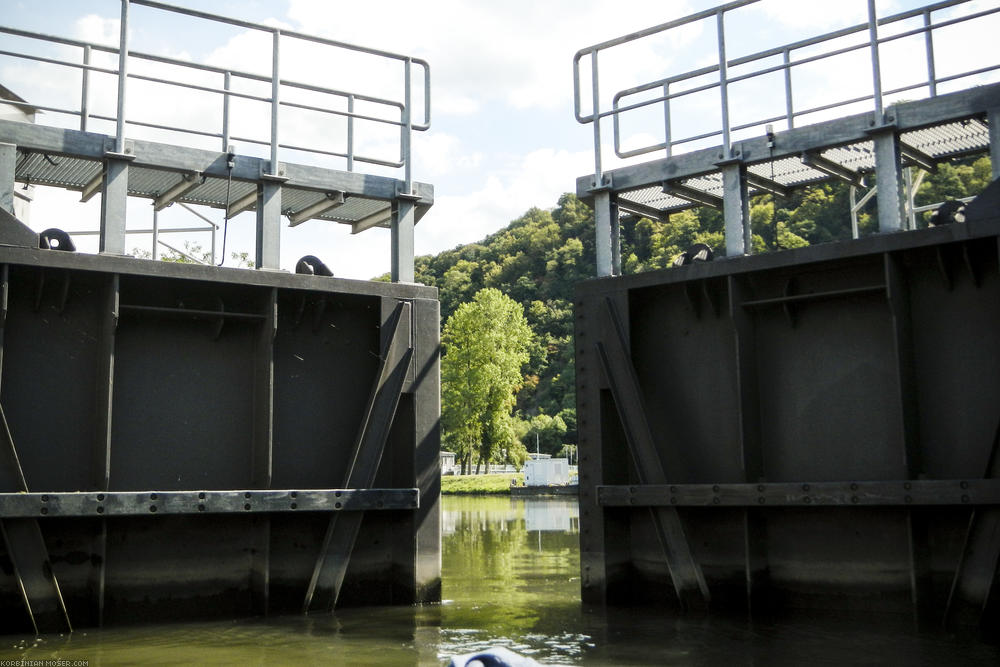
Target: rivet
<point>246,506</point>
<point>715,488</point>
<point>805,487</point>
<point>294,494</point>
<point>965,499</point>
<point>246,495</point>
<point>201,496</point>
<point>201,508</point>
<point>673,489</point>
<point>715,501</point>
<point>100,497</point>
<point>632,500</point>
<point>152,496</point>
<point>673,501</point>
<point>294,506</point>
<point>152,508</point>
<point>100,509</point>
<point>854,487</point>
<point>45,499</point>
<point>761,500</point>
<point>631,489</point>
<point>337,505</point>
<point>907,486</point>
<point>760,487</point>
<point>854,499</point>
<point>963,484</point>
<point>908,500</point>
<point>337,494</point>
<point>808,500</point>
<point>45,510</point>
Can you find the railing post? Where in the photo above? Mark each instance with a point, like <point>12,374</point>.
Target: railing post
<point>407,130</point>
<point>275,100</point>
<point>666,119</point>
<point>227,84</point>
<point>596,111</point>
<point>85,90</point>
<point>723,80</point>
<point>876,68</point>
<point>122,77</point>
<point>929,41</point>
<point>789,103</point>
<point>602,225</point>
<point>350,133</point>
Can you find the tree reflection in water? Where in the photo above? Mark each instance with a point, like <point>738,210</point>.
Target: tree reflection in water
<point>511,569</point>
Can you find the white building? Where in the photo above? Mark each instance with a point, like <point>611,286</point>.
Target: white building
<point>546,472</point>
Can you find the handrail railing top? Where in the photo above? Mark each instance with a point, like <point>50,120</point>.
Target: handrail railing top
<point>196,13</point>
<point>870,40</point>
<point>186,68</point>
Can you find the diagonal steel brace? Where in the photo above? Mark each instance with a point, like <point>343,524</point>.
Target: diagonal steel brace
<point>685,572</point>
<point>342,531</point>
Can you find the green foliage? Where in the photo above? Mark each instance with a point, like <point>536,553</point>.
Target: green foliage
<point>194,251</point>
<point>544,432</point>
<point>485,484</point>
<point>485,343</point>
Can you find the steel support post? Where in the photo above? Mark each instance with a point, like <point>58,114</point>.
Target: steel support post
<point>891,195</point>
<point>602,223</point>
<point>735,208</point>
<point>403,220</point>
<point>114,198</point>
<point>426,391</point>
<point>268,224</point>
<point>616,240</point>
<point>993,118</point>
<point>8,163</point>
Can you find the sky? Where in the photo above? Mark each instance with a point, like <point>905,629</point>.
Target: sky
<point>503,135</point>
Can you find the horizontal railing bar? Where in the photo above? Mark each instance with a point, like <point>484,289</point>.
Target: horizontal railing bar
<point>171,230</point>
<point>150,503</point>
<point>56,61</point>
<point>903,493</point>
<point>268,29</point>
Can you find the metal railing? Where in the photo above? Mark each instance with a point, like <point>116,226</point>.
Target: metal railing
<point>404,108</point>
<point>788,62</point>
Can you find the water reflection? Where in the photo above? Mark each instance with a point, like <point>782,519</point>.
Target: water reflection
<point>511,578</point>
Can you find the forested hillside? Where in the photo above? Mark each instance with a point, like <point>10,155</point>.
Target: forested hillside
<point>537,259</point>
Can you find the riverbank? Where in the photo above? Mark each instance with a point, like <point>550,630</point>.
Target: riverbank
<point>498,484</point>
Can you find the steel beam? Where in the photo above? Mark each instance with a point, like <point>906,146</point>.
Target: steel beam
<point>831,168</point>
<point>402,224</point>
<point>693,195</point>
<point>330,201</point>
<point>379,219</point>
<point>891,195</point>
<point>894,493</point>
<point>736,208</point>
<point>8,165</point>
<point>114,195</point>
<point>612,352</point>
<point>325,584</point>
<point>157,503</point>
<point>602,231</point>
<point>187,183</point>
<point>268,253</point>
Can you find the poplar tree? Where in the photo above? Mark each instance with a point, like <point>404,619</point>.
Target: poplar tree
<point>486,343</point>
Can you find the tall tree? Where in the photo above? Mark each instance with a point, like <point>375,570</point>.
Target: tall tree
<point>486,343</point>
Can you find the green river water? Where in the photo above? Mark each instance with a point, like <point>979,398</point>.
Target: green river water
<point>510,572</point>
